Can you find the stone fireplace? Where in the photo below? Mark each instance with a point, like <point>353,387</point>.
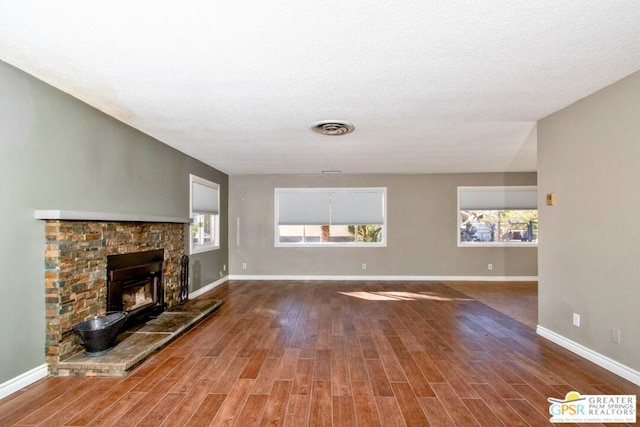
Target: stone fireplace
<point>76,257</point>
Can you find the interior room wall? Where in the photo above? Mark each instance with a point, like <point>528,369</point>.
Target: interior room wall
<point>422,228</point>
<point>59,153</point>
<point>589,251</point>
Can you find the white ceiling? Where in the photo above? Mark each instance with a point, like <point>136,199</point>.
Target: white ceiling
<point>431,86</point>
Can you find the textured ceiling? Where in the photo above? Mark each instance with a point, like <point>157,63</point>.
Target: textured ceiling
<point>430,86</point>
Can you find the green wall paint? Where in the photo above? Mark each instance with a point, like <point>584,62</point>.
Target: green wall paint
<point>59,153</point>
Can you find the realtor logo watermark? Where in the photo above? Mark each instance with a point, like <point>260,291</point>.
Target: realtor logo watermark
<point>577,408</point>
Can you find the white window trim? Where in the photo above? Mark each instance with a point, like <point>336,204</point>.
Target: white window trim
<point>511,244</point>
<point>212,246</point>
<point>381,244</point>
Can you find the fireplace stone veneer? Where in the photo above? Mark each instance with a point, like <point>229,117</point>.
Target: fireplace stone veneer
<point>76,272</point>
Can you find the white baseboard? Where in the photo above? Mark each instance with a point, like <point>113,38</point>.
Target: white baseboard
<point>23,380</point>
<point>595,357</point>
<point>208,287</point>
<point>390,278</point>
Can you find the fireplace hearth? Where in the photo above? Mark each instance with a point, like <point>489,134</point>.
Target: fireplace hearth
<point>135,284</point>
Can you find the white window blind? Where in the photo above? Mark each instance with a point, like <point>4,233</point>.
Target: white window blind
<point>330,206</point>
<point>303,207</point>
<point>204,199</point>
<point>357,207</point>
<point>498,198</point>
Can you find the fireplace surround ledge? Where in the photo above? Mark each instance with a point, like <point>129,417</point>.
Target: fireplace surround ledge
<point>70,215</point>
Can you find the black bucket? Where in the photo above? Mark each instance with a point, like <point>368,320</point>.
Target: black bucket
<point>97,335</point>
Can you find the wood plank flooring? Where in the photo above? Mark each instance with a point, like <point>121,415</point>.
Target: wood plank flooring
<point>518,300</point>
<point>287,353</point>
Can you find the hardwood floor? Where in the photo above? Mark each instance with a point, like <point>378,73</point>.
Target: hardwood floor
<point>518,300</point>
<point>335,354</point>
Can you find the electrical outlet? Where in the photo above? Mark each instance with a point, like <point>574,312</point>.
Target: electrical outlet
<point>489,266</point>
<point>364,266</point>
<point>220,273</point>
<point>615,335</point>
<point>576,319</point>
<point>224,267</point>
<point>244,265</point>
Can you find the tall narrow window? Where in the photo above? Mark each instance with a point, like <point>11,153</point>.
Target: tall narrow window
<point>330,216</point>
<point>497,216</point>
<point>205,215</point>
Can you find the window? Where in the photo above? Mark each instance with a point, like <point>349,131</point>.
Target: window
<point>205,215</point>
<point>497,216</point>
<point>330,216</point>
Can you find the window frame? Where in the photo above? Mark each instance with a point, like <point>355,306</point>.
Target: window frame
<point>354,244</point>
<point>497,188</point>
<point>214,244</point>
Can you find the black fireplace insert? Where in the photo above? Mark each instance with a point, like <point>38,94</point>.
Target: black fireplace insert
<point>135,283</point>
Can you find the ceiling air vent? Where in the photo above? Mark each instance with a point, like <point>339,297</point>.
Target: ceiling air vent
<point>333,127</point>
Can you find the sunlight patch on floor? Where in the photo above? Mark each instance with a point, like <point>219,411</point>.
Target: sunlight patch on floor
<point>401,296</point>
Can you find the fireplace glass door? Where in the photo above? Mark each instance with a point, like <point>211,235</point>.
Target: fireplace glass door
<point>138,295</point>
<point>134,283</point>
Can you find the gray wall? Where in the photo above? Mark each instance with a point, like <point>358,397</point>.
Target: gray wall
<point>421,211</point>
<point>589,155</point>
<point>58,153</point>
